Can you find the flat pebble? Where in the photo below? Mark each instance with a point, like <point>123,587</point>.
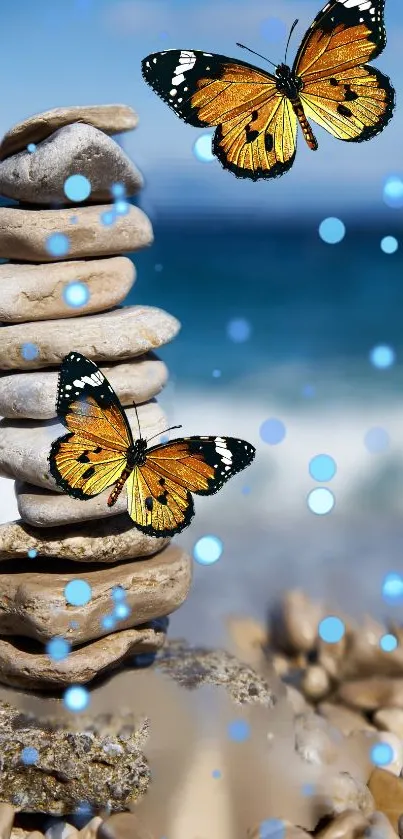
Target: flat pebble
<point>41,292</point>
<point>90,831</point>
<point>123,826</point>
<point>390,719</point>
<point>112,119</point>
<point>344,718</point>
<point>372,693</point>
<point>24,234</point>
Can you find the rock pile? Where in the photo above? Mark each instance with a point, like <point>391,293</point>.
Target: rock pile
<point>61,291</point>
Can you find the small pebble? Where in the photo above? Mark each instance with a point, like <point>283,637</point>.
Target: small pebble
<point>316,682</point>
<point>123,826</point>
<point>90,831</point>
<point>7,812</point>
<point>347,825</point>
<point>390,719</point>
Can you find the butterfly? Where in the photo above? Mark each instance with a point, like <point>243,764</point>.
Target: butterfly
<point>257,113</point>
<point>99,452</point>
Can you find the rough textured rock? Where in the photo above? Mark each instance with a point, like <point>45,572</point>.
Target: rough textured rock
<point>101,763</point>
<point>44,509</point>
<point>38,292</point>
<point>33,602</point>
<point>387,791</point>
<point>33,395</point>
<point>78,149</point>
<point>21,668</point>
<point>24,234</point>
<point>109,541</point>
<point>112,119</point>
<point>123,826</point>
<point>111,336</point>
<point>25,445</point>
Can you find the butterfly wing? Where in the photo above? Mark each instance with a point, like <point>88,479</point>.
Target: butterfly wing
<point>159,493</point>
<point>256,125</point>
<point>352,100</point>
<point>92,455</point>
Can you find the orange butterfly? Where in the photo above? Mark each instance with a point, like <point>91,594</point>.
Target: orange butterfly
<point>257,113</point>
<point>99,451</point>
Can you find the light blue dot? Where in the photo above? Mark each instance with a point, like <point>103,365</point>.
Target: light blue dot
<point>74,625</point>
<point>239,330</point>
<point>392,588</point>
<point>58,648</point>
<point>202,148</point>
<point>216,374</point>
<point>389,244</point>
<point>393,192</point>
<point>76,294</point>
<point>246,490</point>
<point>57,244</point>
<point>207,550</point>
<point>272,829</point>
<point>108,218</point>
<point>388,643</point>
<point>77,188</point>
<point>73,219</point>
<point>308,391</point>
<point>272,431</point>
<point>382,754</point>
<point>273,29</point>
<point>332,230</point>
<point>108,622</point>
<point>377,440</point>
<point>308,789</point>
<point>118,593</point>
<point>29,351</point>
<point>122,207</point>
<point>32,553</point>
<point>121,611</point>
<point>158,267</point>
<point>321,501</point>
<point>216,773</point>
<point>322,467</point>
<point>382,356</point>
<point>76,698</point>
<point>29,756</point>
<point>118,190</point>
<point>31,147</point>
<point>78,592</point>
<point>331,629</point>
<point>239,730</point>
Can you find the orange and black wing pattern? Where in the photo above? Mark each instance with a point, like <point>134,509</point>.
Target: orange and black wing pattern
<point>256,124</point>
<point>340,91</point>
<point>159,492</point>
<point>92,456</point>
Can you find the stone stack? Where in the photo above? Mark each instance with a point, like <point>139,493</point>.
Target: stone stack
<point>60,292</point>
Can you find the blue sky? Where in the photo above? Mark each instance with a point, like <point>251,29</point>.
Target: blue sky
<point>61,52</point>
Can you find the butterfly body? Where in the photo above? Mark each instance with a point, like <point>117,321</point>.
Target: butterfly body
<point>100,451</point>
<point>256,113</point>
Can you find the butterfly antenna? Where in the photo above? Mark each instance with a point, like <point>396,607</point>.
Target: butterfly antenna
<point>289,39</point>
<point>256,53</point>
<point>163,432</point>
<point>138,421</point>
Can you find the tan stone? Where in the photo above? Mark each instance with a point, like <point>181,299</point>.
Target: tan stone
<point>37,292</point>
<point>33,395</point>
<point>344,719</point>
<point>90,831</point>
<point>22,669</point>
<point>296,699</point>
<point>67,831</point>
<point>111,336</point>
<point>111,540</point>
<point>295,624</point>
<point>390,719</point>
<point>387,791</point>
<point>348,825</point>
<point>25,445</point>
<point>380,827</point>
<point>365,657</point>
<point>7,812</point>
<point>39,178</point>
<point>123,826</point>
<point>248,636</point>
<point>112,119</point>
<point>346,792</point>
<point>41,508</point>
<point>24,233</point>
<point>370,694</point>
<point>315,683</point>
<point>315,739</point>
<point>33,601</point>
<point>38,835</point>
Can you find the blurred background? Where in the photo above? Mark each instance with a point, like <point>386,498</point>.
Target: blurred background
<point>290,294</point>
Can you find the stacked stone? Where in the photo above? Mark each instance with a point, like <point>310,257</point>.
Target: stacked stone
<point>60,292</point>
